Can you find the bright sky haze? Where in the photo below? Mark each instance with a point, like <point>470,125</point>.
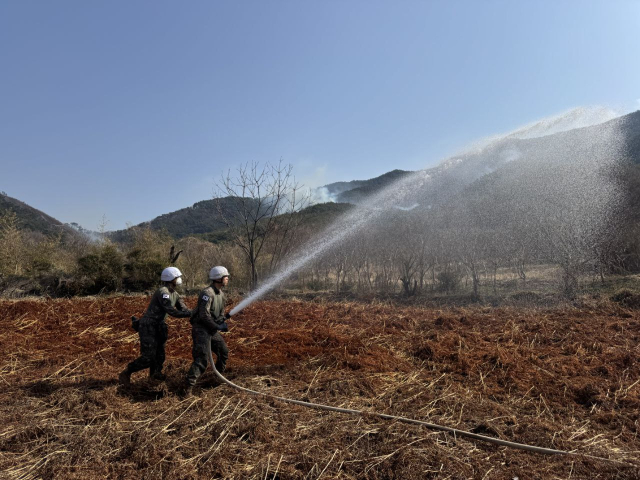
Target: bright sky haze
<point>133,109</point>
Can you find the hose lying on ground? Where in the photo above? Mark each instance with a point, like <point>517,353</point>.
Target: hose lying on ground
<point>432,426</point>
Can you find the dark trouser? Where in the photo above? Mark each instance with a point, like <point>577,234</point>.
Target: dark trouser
<point>200,352</point>
<point>153,337</point>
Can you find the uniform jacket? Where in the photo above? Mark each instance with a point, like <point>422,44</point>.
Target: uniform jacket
<point>165,303</point>
<point>210,310</point>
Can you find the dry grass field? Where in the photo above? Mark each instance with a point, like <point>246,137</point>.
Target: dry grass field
<point>566,378</point>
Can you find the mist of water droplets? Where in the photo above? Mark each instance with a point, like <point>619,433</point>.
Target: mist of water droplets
<point>572,191</point>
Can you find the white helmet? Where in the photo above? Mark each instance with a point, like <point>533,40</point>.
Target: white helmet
<point>216,273</point>
<point>170,273</point>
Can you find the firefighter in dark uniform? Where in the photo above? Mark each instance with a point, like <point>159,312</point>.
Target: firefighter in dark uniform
<point>152,327</point>
<point>208,320</point>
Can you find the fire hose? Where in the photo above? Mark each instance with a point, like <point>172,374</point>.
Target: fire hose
<point>432,426</point>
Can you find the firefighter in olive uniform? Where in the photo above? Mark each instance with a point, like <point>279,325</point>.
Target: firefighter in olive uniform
<point>153,329</point>
<point>208,320</point>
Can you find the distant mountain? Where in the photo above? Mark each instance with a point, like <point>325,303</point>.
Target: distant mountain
<point>355,190</point>
<point>368,187</point>
<point>453,175</point>
<point>32,219</point>
<point>315,217</point>
<point>446,181</point>
<point>202,217</point>
<point>617,138</point>
<point>335,189</point>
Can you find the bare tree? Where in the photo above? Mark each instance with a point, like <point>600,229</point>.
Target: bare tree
<point>12,247</point>
<point>470,244</point>
<point>412,248</point>
<point>258,206</point>
<point>198,256</point>
<point>340,259</point>
<point>405,253</point>
<point>361,262</point>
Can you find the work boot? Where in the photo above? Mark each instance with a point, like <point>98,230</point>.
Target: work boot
<point>124,378</point>
<point>159,376</point>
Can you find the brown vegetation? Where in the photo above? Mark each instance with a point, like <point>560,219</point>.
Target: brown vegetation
<point>564,378</point>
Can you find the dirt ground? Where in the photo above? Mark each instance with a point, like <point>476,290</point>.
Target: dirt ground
<point>566,378</point>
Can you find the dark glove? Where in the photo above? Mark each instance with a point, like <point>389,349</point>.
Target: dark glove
<point>223,327</point>
<point>227,316</point>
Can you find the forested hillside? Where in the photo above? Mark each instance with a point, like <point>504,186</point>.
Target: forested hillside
<point>32,219</point>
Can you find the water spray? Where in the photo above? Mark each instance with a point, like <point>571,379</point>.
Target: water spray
<point>344,227</point>
<point>412,190</point>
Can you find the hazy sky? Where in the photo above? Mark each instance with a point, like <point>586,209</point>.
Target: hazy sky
<point>131,109</point>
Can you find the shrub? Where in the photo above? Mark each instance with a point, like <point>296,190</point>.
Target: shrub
<point>148,255</point>
<point>142,272</point>
<point>316,285</point>
<point>101,270</point>
<point>448,280</point>
<point>627,298</point>
<point>525,297</point>
<point>41,256</point>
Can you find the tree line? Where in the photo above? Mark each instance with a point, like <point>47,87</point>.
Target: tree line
<point>547,234</point>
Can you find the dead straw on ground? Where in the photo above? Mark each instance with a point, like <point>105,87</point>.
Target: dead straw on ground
<point>564,378</point>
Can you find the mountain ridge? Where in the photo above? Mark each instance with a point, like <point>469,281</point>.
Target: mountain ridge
<point>32,219</point>
<point>454,175</point>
